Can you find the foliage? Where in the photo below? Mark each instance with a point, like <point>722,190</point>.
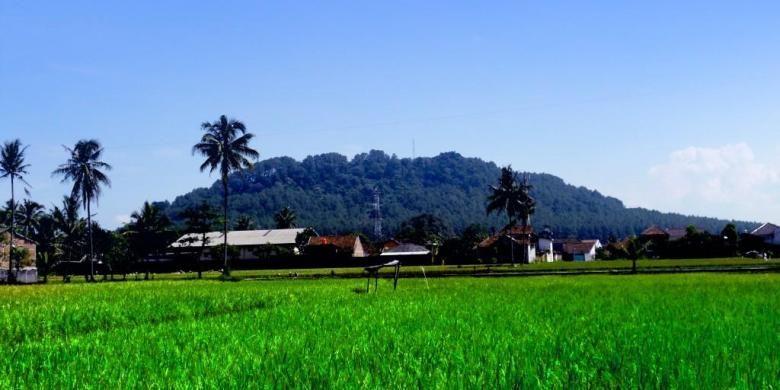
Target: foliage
<point>30,213</point>
<point>225,144</point>
<point>46,237</point>
<point>285,218</point>
<point>463,249</point>
<point>505,197</point>
<point>85,169</point>
<point>21,257</point>
<point>119,257</point>
<point>302,238</point>
<point>244,222</point>
<point>12,166</point>
<point>149,233</point>
<point>216,252</point>
<point>72,230</point>
<point>635,249</point>
<point>674,331</point>
<point>199,220</point>
<point>333,194</point>
<point>424,229</point>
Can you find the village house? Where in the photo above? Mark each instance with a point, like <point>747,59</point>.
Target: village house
<point>250,243</point>
<point>768,233</point>
<point>578,250</point>
<point>389,244</point>
<point>517,245</point>
<point>26,248</point>
<point>654,233</point>
<point>545,250</point>
<point>336,246</point>
<point>406,249</point>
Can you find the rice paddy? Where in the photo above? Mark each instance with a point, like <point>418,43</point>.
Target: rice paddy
<point>660,331</point>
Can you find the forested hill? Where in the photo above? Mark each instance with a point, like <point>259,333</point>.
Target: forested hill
<point>334,194</point>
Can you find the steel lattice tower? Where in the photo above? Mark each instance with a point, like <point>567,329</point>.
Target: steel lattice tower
<point>376,213</point>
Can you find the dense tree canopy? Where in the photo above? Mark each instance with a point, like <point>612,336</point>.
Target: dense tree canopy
<point>333,194</point>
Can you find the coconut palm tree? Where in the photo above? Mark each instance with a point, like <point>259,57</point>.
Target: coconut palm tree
<point>244,222</point>
<point>225,145</point>
<point>12,166</point>
<point>31,214</point>
<point>527,203</point>
<point>86,170</point>
<point>527,208</point>
<point>506,197</point>
<point>46,236</point>
<point>149,232</point>
<point>5,214</point>
<point>70,227</point>
<point>285,218</point>
<point>635,249</point>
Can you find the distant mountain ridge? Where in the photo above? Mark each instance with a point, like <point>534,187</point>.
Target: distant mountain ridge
<point>333,194</point>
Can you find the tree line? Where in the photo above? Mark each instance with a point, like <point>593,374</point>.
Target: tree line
<point>64,237</point>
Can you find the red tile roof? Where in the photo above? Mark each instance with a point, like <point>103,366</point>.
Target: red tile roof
<point>579,247</point>
<point>342,242</point>
<point>654,231</point>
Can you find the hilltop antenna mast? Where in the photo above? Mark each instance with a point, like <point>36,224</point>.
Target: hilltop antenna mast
<point>376,213</point>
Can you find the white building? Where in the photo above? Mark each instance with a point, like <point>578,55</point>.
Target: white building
<point>583,250</point>
<point>247,241</point>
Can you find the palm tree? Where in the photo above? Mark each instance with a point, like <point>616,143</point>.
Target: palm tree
<point>506,197</point>
<point>285,218</point>
<point>225,145</point>
<point>244,222</point>
<point>85,169</point>
<point>635,249</point>
<point>31,213</point>
<point>46,237</point>
<point>527,208</point>
<point>70,227</point>
<point>12,165</point>
<point>149,232</point>
<point>5,214</point>
<point>527,203</point>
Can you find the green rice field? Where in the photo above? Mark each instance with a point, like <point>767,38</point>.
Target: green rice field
<point>626,331</point>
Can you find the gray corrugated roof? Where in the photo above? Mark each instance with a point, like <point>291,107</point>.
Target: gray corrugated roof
<point>241,238</point>
<point>406,250</point>
<point>765,230</point>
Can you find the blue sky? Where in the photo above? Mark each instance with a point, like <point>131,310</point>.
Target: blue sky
<point>663,104</point>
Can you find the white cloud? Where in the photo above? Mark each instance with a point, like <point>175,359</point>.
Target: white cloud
<point>726,181</point>
<point>122,219</point>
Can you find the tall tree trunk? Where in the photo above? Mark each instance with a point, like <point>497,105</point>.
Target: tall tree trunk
<point>11,278</point>
<point>91,247</point>
<point>226,269</point>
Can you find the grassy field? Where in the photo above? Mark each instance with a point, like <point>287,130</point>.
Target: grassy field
<point>679,331</point>
<point>465,270</point>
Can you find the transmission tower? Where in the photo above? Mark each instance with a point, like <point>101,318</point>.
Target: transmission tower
<point>376,213</point>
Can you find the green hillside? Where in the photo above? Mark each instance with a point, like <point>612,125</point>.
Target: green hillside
<point>334,194</point>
